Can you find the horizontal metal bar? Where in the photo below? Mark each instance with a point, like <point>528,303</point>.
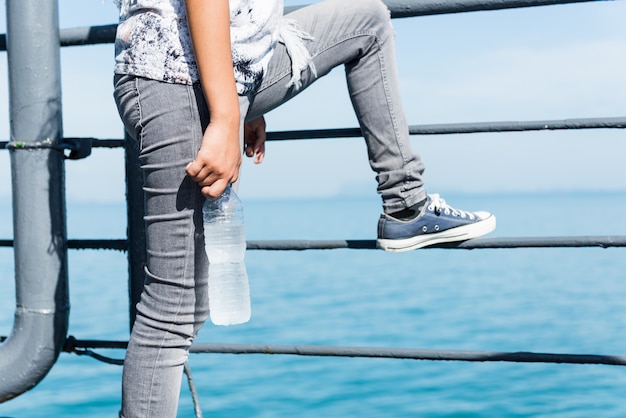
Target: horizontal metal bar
<point>74,345</point>
<point>518,126</point>
<point>478,243</point>
<point>408,8</point>
<point>463,128</point>
<point>604,241</point>
<point>98,244</point>
<point>86,244</point>
<point>105,34</point>
<point>431,129</point>
<point>301,245</point>
<point>87,35</point>
<point>101,143</point>
<point>95,142</point>
<point>90,35</point>
<point>409,354</point>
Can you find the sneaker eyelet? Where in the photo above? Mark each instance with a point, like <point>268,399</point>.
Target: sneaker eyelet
<point>424,229</point>
<point>436,227</point>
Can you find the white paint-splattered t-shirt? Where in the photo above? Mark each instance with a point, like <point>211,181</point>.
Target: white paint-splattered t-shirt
<point>153,40</point>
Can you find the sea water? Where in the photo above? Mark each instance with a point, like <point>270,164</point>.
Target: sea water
<point>561,300</point>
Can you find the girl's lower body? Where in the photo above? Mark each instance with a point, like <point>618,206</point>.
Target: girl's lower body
<point>168,120</point>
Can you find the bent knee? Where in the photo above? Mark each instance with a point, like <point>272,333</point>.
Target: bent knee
<point>376,16</point>
<point>376,8</point>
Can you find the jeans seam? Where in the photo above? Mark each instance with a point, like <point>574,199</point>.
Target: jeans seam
<point>195,119</point>
<point>139,114</point>
<point>188,244</point>
<point>392,113</point>
<point>381,60</point>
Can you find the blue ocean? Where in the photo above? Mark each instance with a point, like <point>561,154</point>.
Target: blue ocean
<point>556,300</point>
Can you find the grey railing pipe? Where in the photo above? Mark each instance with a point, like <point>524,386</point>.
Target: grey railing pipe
<point>412,8</point>
<point>37,175</point>
<point>105,34</point>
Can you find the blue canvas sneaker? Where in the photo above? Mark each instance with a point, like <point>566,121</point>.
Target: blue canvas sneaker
<point>437,223</point>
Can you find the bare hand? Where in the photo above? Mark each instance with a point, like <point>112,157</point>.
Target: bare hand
<point>217,163</point>
<point>254,139</point>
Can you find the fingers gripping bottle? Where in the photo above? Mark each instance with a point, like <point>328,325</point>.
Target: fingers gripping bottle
<point>225,245</point>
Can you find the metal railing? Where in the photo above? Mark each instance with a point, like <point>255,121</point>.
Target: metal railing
<point>133,244</point>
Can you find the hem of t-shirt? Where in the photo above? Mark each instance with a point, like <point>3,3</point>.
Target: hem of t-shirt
<point>154,74</point>
<point>243,89</point>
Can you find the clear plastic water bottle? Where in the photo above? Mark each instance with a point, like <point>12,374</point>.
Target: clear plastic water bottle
<point>225,245</point>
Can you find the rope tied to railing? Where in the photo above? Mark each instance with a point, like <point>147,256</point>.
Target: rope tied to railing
<point>78,148</point>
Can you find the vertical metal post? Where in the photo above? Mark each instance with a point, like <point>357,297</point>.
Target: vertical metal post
<point>37,173</point>
<point>136,226</point>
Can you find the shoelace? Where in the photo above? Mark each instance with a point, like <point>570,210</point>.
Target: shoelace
<point>438,205</point>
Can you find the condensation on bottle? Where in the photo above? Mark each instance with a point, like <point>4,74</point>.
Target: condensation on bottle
<point>225,245</point>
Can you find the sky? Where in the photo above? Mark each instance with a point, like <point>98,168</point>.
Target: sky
<point>542,63</point>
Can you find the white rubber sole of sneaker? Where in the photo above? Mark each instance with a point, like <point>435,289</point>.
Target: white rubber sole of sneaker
<point>461,233</point>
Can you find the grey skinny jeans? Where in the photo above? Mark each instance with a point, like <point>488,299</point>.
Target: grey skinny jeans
<point>358,35</point>
<point>168,121</point>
